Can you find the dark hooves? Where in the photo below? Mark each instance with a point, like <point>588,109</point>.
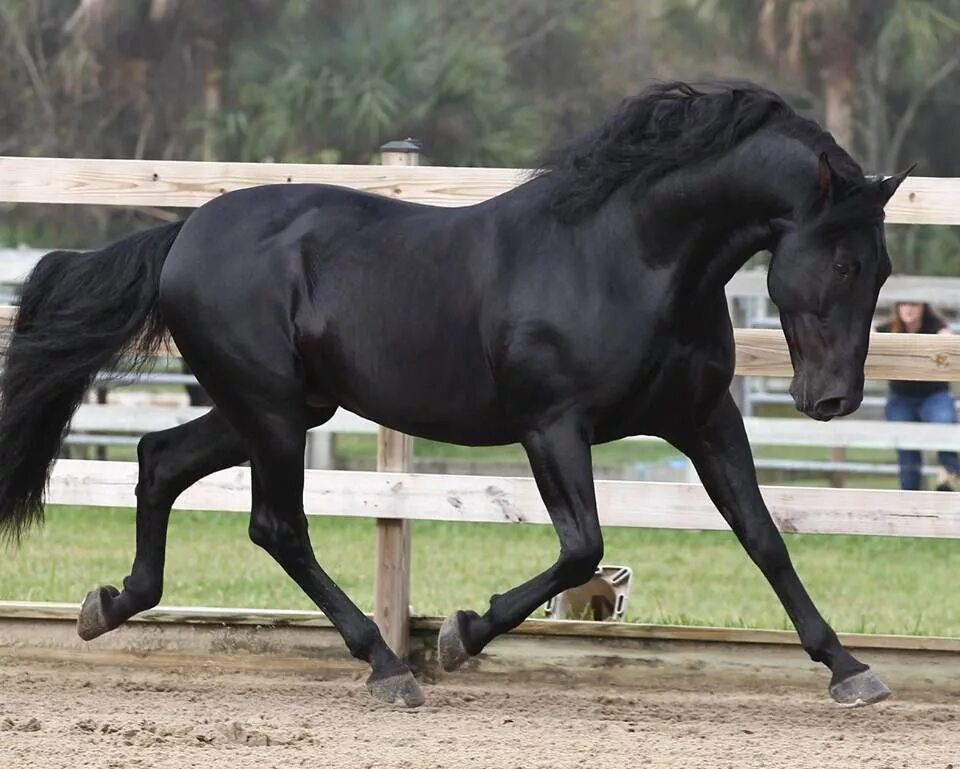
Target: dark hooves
<point>92,620</point>
<point>450,645</point>
<point>401,689</point>
<point>863,688</point>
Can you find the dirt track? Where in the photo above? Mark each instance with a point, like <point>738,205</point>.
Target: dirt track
<point>77,715</point>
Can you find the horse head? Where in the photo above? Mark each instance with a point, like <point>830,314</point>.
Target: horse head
<point>828,266</point>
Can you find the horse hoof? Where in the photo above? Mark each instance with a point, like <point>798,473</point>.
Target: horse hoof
<point>92,620</point>
<point>401,689</point>
<point>449,644</point>
<point>863,688</point>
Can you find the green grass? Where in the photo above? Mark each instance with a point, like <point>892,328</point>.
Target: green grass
<point>861,584</point>
<point>353,448</point>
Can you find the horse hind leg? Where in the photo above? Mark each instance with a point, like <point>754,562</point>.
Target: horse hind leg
<point>278,525</point>
<point>256,378</point>
<point>169,462</point>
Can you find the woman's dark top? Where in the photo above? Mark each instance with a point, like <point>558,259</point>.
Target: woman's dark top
<point>931,324</point>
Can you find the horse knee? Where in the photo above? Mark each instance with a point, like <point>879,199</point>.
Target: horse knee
<point>262,532</point>
<point>277,536</point>
<point>579,562</point>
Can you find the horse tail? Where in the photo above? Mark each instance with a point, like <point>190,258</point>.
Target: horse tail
<point>78,312</point>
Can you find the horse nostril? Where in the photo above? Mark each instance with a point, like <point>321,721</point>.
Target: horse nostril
<point>830,407</point>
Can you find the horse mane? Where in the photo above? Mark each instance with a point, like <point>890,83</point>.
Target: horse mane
<point>667,127</point>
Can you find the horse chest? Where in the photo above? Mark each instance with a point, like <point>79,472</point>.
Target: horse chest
<point>674,390</point>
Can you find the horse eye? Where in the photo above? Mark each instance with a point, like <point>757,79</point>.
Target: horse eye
<point>843,269</point>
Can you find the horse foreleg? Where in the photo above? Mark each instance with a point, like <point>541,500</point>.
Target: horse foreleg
<point>559,455</point>
<point>721,454</point>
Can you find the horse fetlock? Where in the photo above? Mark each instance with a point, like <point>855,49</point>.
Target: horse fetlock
<point>141,596</point>
<point>368,645</point>
<point>823,646</point>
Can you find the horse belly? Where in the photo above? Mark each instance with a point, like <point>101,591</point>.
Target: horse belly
<point>427,387</point>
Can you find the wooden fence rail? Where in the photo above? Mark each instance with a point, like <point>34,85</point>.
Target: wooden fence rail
<point>920,200</point>
<point>483,499</point>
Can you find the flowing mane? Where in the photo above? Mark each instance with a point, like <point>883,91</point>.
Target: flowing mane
<point>671,126</point>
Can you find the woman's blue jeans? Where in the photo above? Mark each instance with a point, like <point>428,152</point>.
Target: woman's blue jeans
<point>936,407</point>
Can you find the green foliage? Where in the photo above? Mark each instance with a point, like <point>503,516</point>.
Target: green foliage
<point>299,96</point>
<point>919,32</point>
<point>924,249</point>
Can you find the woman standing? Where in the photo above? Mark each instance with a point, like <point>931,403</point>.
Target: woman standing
<point>921,401</point>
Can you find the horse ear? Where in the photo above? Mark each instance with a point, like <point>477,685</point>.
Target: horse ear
<point>889,185</point>
<point>831,187</point>
<point>825,177</point>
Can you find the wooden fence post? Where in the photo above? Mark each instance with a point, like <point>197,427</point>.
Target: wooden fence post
<point>838,477</point>
<point>320,450</point>
<point>394,455</point>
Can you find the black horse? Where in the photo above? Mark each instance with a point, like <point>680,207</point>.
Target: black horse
<point>585,305</point>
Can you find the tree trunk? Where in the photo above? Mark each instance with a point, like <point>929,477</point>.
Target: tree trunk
<point>839,77</point>
<point>768,33</point>
<point>875,126</point>
<point>212,101</point>
<point>162,10</point>
<point>97,23</point>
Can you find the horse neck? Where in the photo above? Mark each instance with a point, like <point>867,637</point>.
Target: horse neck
<point>714,219</point>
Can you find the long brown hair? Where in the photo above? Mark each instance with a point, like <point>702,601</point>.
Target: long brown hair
<point>896,325</point>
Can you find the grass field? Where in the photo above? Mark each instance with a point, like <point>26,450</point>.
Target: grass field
<point>862,584</point>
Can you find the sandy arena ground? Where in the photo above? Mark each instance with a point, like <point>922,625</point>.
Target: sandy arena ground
<point>79,715</point>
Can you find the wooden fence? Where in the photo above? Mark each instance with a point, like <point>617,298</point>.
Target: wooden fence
<point>920,200</point>
<point>396,495</point>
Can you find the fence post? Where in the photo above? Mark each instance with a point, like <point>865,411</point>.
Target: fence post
<point>838,477</point>
<point>320,450</point>
<point>391,609</point>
